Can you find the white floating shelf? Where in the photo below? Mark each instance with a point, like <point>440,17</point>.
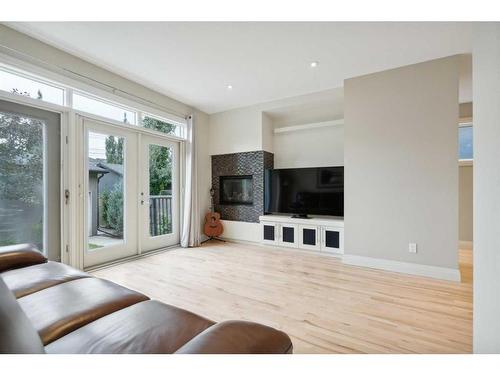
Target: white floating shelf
<point>315,125</point>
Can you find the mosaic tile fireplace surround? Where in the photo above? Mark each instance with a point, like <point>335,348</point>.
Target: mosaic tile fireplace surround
<point>240,202</point>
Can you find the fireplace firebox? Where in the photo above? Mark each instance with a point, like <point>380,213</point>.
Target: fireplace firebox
<point>236,190</point>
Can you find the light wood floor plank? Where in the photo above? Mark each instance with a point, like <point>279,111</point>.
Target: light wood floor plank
<point>325,306</point>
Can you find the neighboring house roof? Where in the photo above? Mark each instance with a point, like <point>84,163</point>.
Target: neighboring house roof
<point>94,167</point>
<point>115,168</point>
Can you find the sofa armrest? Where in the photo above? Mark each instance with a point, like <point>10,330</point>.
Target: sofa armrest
<point>238,337</point>
<point>17,256</point>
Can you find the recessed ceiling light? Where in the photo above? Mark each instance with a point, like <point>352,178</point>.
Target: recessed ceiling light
<point>229,87</point>
<point>314,64</point>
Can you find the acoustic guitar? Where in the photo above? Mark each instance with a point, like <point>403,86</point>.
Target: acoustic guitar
<point>213,227</point>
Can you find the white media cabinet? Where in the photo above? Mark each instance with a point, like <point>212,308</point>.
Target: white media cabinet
<point>315,233</point>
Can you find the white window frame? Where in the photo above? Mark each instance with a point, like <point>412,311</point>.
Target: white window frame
<point>71,138</point>
<point>69,85</point>
<point>465,122</point>
<point>23,74</point>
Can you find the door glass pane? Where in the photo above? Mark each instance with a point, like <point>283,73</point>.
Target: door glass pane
<point>21,179</point>
<point>160,190</point>
<point>105,204</point>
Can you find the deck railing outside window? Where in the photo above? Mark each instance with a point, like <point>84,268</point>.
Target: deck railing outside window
<point>160,215</point>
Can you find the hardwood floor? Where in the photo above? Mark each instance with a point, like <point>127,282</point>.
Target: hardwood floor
<point>324,305</point>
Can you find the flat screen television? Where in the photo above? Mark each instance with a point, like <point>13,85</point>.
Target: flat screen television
<point>304,191</point>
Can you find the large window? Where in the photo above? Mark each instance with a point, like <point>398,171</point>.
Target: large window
<point>465,150</point>
<point>25,84</point>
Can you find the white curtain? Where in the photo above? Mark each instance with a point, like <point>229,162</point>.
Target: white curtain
<point>190,236</point>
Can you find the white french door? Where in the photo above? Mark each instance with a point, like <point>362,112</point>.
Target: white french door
<point>131,192</point>
<point>159,203</point>
<point>110,180</point>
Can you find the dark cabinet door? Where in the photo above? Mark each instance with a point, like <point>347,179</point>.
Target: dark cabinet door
<point>309,237</point>
<point>269,233</point>
<point>288,235</point>
<point>333,240</point>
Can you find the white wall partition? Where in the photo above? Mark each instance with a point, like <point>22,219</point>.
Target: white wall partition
<point>486,72</point>
<point>401,169</point>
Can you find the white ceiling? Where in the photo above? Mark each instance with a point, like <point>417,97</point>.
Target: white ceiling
<point>194,62</point>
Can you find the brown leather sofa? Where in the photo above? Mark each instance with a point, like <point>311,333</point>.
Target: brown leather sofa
<point>48,307</point>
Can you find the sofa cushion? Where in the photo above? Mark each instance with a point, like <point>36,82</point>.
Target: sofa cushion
<point>16,256</point>
<point>61,309</point>
<point>146,327</point>
<point>238,337</point>
<point>27,280</point>
<point>17,334</point>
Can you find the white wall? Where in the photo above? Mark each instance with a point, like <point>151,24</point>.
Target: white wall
<point>401,175</point>
<point>314,147</point>
<point>241,231</point>
<point>250,128</point>
<point>267,133</point>
<point>239,130</point>
<point>486,88</point>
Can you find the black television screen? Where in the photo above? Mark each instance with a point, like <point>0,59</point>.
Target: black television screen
<point>303,191</point>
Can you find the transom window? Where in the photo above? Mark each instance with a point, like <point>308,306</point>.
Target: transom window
<point>103,108</point>
<point>162,125</point>
<point>25,84</point>
<point>18,84</point>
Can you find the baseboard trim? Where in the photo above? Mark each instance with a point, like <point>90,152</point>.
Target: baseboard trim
<point>442,273</point>
<point>465,245</point>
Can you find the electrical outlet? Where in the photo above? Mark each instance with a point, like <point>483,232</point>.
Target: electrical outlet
<point>412,247</point>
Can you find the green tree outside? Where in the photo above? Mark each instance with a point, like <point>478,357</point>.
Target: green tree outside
<point>21,172</point>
